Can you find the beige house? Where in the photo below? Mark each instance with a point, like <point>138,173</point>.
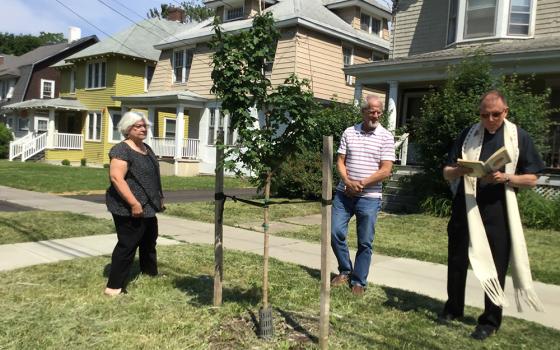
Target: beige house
<point>521,36</point>
<point>318,39</point>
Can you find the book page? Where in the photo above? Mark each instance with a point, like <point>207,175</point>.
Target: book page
<point>498,160</point>
<point>477,166</point>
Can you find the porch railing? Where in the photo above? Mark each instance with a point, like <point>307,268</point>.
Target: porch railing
<point>165,147</point>
<point>68,141</point>
<point>16,147</point>
<point>401,148</point>
<point>34,146</point>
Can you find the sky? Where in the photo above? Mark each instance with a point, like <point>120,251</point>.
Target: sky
<point>34,16</point>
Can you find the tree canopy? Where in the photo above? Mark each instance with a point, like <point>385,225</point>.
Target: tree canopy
<point>18,44</point>
<point>194,12</point>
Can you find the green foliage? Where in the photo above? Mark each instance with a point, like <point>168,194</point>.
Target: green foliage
<point>106,166</point>
<point>445,113</point>
<point>300,176</point>
<point>5,138</point>
<point>241,85</point>
<point>83,162</point>
<point>537,211</point>
<point>65,162</point>
<point>194,12</point>
<point>12,44</point>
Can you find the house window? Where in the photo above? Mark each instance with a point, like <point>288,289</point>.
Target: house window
<point>370,24</point>
<point>23,124</point>
<point>347,60</point>
<point>480,18</point>
<point>519,17</point>
<point>182,62</point>
<point>234,13</point>
<point>212,126</point>
<point>115,134</point>
<point>93,131</point>
<point>10,122</point>
<point>41,124</point>
<point>95,75</point>
<point>148,75</point>
<point>72,81</point>
<point>47,88</point>
<point>452,21</point>
<point>170,128</point>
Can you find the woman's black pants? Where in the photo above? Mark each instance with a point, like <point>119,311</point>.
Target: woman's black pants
<point>133,233</point>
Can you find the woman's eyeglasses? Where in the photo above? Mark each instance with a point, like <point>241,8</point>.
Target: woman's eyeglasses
<point>138,126</point>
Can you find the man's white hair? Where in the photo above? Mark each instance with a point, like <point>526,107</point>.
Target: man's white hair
<point>365,103</point>
<point>129,119</point>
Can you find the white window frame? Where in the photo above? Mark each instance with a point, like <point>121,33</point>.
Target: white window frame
<point>185,68</point>
<point>43,81</point>
<point>10,123</point>
<point>502,23</point>
<point>531,15</point>
<point>239,9</point>
<point>165,121</point>
<point>36,122</point>
<point>212,113</point>
<point>348,78</point>
<point>98,115</point>
<point>370,23</point>
<point>102,76</point>
<point>110,131</point>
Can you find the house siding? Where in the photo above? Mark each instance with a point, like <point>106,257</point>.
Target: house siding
<point>129,77</point>
<point>34,87</point>
<point>350,15</point>
<point>162,115</point>
<point>319,59</point>
<point>548,12</point>
<point>96,99</point>
<point>421,27</point>
<point>200,75</point>
<point>163,74</point>
<point>284,58</point>
<point>61,154</point>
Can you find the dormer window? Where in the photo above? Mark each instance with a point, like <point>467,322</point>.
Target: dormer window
<point>470,20</point>
<point>47,88</point>
<point>234,13</point>
<point>370,24</point>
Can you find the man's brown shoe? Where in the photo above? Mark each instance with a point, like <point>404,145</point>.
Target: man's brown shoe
<point>340,280</point>
<point>358,290</point>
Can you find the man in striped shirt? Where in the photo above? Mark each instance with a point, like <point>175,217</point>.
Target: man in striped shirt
<point>365,158</point>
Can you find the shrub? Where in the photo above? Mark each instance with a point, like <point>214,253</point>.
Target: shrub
<point>300,176</point>
<point>537,211</point>
<point>106,165</point>
<point>83,162</point>
<point>5,138</point>
<point>65,162</point>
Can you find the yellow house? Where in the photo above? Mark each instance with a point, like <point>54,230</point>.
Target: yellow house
<point>318,39</point>
<point>83,121</point>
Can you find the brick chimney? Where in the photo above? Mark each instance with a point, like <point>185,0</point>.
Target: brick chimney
<point>176,14</point>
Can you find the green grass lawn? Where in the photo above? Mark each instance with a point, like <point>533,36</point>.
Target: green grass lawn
<point>413,236</point>
<point>61,306</point>
<point>32,226</point>
<point>43,177</point>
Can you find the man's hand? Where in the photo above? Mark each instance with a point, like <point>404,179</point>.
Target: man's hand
<point>496,177</point>
<point>353,188</point>
<point>451,173</point>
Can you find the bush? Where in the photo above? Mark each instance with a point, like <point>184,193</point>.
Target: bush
<point>65,162</point>
<point>300,176</point>
<point>106,165</point>
<point>83,162</point>
<point>5,138</point>
<point>537,211</point>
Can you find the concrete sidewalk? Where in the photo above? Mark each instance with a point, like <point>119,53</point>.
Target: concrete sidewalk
<point>416,276</point>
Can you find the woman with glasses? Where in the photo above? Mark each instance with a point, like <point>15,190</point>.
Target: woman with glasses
<point>134,198</point>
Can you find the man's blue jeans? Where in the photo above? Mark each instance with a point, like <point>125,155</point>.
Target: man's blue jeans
<point>366,210</point>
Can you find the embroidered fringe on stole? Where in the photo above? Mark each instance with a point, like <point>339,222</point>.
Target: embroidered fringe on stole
<point>480,255</point>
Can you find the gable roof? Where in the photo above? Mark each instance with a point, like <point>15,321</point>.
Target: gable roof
<point>376,3</point>
<point>137,40</point>
<point>308,13</point>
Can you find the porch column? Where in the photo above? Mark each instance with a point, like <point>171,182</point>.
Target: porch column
<point>124,109</point>
<point>392,104</point>
<point>50,130</point>
<point>179,135</point>
<point>358,93</point>
<point>151,119</point>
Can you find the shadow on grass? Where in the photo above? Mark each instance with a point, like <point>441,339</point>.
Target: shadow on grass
<point>291,320</point>
<point>132,275</point>
<point>29,233</point>
<point>202,288</point>
<point>313,273</point>
<point>410,301</point>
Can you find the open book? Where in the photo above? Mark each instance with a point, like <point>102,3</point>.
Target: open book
<point>496,161</point>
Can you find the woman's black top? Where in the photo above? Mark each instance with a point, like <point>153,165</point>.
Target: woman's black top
<point>142,177</point>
